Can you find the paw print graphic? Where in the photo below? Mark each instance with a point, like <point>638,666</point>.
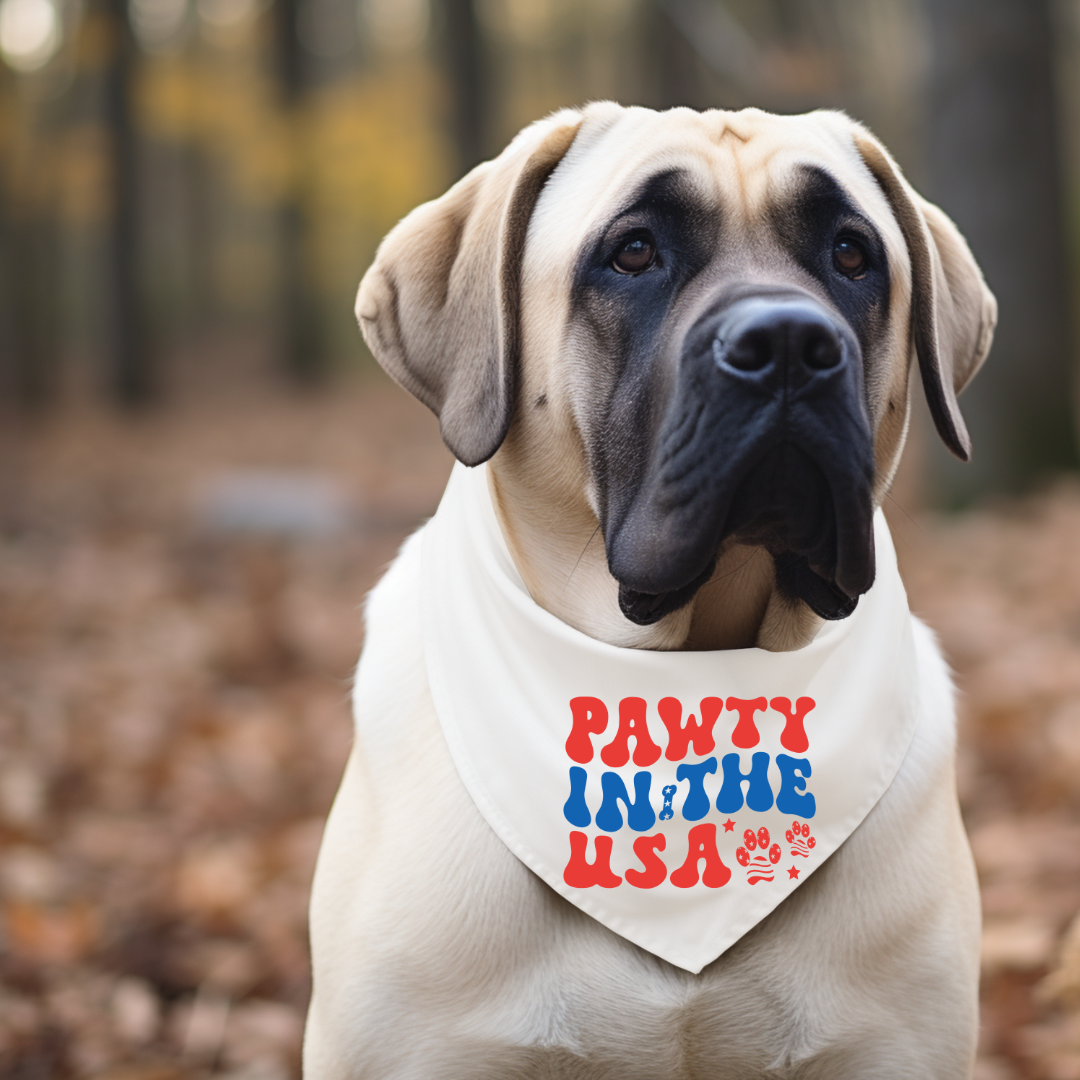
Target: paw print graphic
<point>758,867</point>
<point>798,836</point>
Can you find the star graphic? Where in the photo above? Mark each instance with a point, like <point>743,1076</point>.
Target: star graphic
<point>729,825</point>
<point>793,873</point>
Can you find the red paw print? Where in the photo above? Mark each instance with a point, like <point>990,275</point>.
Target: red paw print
<point>758,867</point>
<point>798,836</point>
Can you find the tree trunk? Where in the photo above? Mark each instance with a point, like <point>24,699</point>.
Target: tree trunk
<point>994,165</point>
<point>32,288</point>
<point>466,74</point>
<point>301,342</point>
<point>131,375</point>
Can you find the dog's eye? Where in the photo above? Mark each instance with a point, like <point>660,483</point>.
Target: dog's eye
<point>848,258</point>
<point>636,254</point>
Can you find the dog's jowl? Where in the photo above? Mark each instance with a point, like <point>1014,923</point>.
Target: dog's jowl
<point>653,772</point>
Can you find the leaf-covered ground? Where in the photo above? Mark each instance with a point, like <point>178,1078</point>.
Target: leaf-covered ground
<point>176,637</point>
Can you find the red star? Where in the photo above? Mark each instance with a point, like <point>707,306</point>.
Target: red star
<point>793,873</point>
<point>729,825</point>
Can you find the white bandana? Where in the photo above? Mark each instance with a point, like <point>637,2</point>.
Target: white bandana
<point>676,797</point>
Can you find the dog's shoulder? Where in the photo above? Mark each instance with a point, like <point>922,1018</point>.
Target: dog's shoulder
<point>394,602</point>
<point>391,677</point>
<point>934,744</point>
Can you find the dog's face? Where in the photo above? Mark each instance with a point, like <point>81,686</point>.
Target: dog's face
<point>699,323</point>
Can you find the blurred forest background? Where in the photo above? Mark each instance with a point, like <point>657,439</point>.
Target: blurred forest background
<point>202,472</point>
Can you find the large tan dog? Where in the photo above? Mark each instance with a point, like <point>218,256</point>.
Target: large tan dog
<point>684,340</point>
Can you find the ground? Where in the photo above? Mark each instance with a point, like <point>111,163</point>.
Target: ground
<point>179,613</point>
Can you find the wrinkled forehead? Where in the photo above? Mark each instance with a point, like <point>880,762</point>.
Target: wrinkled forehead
<point>743,166</point>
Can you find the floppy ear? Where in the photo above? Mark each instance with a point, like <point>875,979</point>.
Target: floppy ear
<point>952,311</point>
<point>440,306</point>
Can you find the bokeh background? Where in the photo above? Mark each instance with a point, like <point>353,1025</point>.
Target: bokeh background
<point>202,471</point>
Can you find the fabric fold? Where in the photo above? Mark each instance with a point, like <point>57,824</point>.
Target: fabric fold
<point>675,797</point>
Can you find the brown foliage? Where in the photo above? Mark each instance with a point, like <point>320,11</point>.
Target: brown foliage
<point>174,720</point>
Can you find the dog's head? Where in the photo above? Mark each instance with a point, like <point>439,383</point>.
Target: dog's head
<point>700,324</point>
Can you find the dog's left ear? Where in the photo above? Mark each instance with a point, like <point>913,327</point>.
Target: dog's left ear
<point>952,311</point>
<point>440,306</point>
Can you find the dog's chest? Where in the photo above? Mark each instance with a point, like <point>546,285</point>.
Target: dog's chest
<point>422,917</point>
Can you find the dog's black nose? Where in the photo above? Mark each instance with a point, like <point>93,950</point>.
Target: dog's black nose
<point>777,336</point>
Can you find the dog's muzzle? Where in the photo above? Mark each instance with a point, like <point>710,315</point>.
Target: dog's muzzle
<point>766,441</point>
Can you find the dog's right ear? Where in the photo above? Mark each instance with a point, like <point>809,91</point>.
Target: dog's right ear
<point>440,306</point>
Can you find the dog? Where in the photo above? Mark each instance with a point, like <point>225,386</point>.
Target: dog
<point>683,342</point>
